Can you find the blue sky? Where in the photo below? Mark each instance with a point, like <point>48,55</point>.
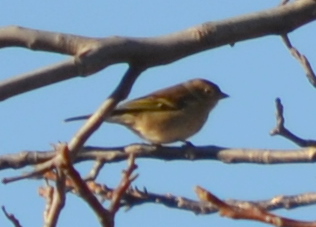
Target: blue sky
<point>252,72</point>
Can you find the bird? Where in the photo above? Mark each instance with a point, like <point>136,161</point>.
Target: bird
<point>168,115</point>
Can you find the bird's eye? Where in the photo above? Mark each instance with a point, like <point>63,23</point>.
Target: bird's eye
<point>207,91</point>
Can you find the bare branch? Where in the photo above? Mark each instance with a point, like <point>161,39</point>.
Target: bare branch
<point>90,126</point>
<point>226,155</point>
<point>282,131</point>
<point>47,193</point>
<point>168,153</point>
<point>104,216</point>
<point>125,183</point>
<point>92,55</point>
<point>62,161</point>
<point>94,122</point>
<point>44,41</point>
<point>39,170</point>
<point>95,171</point>
<point>302,59</point>
<point>134,197</point>
<point>36,79</point>
<point>11,217</point>
<point>58,200</point>
<point>24,158</point>
<point>249,212</point>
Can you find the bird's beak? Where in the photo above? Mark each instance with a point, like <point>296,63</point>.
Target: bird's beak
<point>223,95</point>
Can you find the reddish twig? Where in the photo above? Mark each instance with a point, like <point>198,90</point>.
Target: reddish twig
<point>104,216</point>
<point>250,212</point>
<point>126,181</point>
<point>57,201</point>
<point>47,193</point>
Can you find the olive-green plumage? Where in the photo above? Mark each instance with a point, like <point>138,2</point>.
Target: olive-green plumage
<point>168,115</point>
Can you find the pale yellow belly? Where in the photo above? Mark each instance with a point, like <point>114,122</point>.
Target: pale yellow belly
<point>160,127</point>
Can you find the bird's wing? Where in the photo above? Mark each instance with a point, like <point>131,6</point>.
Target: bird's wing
<point>146,104</point>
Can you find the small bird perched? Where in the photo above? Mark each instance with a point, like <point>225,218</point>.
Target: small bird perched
<point>168,115</point>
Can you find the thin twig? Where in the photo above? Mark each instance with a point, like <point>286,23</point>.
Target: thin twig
<point>11,217</point>
<point>47,193</point>
<point>302,59</point>
<point>282,131</point>
<point>58,200</point>
<point>76,143</point>
<point>40,169</point>
<point>94,172</point>
<point>94,122</point>
<point>125,183</point>
<point>250,212</point>
<point>135,197</point>
<point>104,216</point>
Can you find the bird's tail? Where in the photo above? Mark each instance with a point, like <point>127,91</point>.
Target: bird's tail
<point>77,118</point>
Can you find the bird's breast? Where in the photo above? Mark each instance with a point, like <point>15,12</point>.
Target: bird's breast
<point>169,126</point>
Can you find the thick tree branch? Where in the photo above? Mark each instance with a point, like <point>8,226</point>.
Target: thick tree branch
<point>38,78</point>
<point>43,40</point>
<point>117,154</point>
<point>92,55</point>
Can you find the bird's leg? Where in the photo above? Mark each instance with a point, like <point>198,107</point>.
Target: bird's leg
<point>187,143</point>
<point>188,148</point>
